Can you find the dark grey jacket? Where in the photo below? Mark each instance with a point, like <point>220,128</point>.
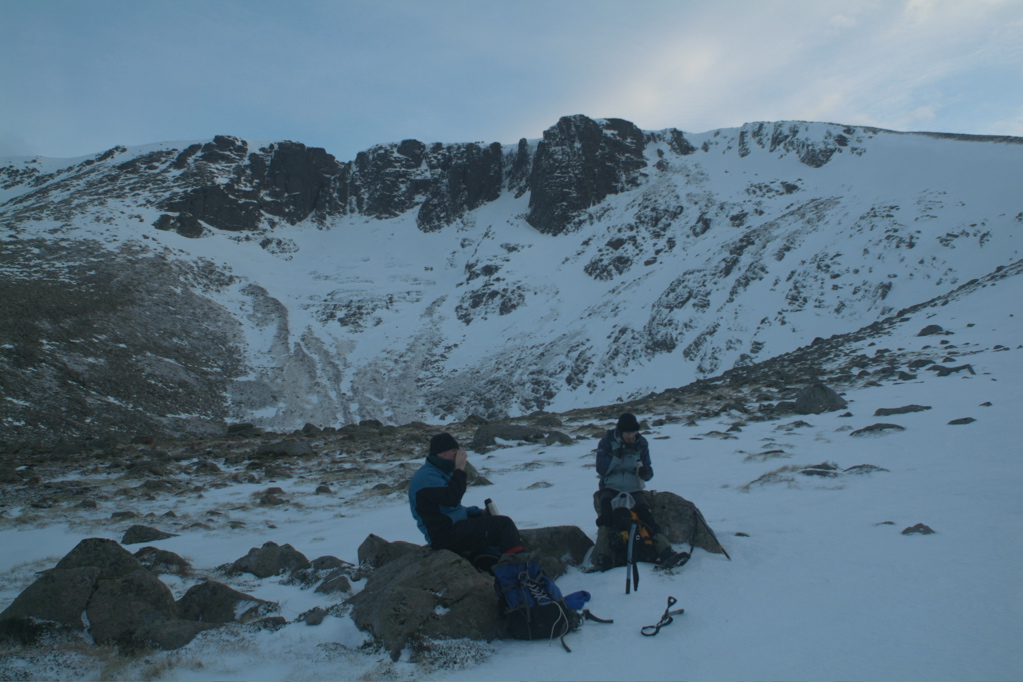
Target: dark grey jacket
<point>618,462</point>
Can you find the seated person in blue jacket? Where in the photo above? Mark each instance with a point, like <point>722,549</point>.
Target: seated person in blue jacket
<point>435,497</point>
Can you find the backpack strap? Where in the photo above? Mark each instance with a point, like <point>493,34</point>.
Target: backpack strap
<point>589,616</point>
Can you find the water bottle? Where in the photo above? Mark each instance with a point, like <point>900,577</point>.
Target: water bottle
<point>491,507</point>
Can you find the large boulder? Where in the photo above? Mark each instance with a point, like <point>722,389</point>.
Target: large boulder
<point>423,595</point>
<point>681,521</point>
<point>374,551</point>
<point>556,547</point>
<point>100,587</point>
<point>121,606</point>
<point>56,600</point>
<point>112,560</point>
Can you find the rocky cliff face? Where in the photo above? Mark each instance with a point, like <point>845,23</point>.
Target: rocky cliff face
<point>170,289</point>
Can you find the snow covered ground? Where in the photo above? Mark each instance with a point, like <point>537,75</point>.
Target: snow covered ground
<point>821,585</point>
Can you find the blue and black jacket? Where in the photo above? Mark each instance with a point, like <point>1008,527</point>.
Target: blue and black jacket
<point>435,497</point>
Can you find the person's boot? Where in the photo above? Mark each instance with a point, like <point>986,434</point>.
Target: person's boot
<point>602,557</point>
<point>667,557</point>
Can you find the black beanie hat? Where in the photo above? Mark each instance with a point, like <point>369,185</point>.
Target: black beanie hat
<point>442,442</point>
<point>627,422</point>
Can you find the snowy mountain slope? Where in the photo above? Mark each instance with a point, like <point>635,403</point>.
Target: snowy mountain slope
<point>822,584</point>
<point>595,265</point>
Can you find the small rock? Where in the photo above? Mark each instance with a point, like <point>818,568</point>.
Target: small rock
<point>918,529</point>
<point>906,409</point>
<point>137,534</point>
<point>961,421</point>
<point>335,582</point>
<point>313,616</point>
<point>877,429</point>
<point>327,563</point>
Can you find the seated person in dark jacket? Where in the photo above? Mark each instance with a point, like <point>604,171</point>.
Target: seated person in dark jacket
<point>623,464</point>
<point>435,497</point>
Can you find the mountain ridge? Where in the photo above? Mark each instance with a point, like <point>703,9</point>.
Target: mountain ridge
<point>417,281</point>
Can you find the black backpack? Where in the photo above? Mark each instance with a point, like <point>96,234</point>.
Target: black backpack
<point>643,548</point>
<point>532,604</point>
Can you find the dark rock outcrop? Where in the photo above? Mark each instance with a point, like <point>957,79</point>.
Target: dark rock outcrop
<point>578,163</point>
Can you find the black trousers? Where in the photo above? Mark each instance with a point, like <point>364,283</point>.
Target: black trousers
<point>476,532</point>
<point>641,507</point>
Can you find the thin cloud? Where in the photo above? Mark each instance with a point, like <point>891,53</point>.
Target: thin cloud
<point>80,77</point>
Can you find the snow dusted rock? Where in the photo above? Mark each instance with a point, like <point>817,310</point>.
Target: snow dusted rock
<point>270,559</point>
<point>161,560</point>
<point>121,606</point>
<point>336,582</point>
<point>54,601</point>
<point>138,534</point>
<point>681,521</point>
<point>487,434</point>
<point>817,398</point>
<point>215,602</point>
<point>374,551</point>
<point>112,560</point>
<point>327,563</point>
<point>433,594</point>
<point>877,430</point>
<point>905,409</point>
<point>556,547</point>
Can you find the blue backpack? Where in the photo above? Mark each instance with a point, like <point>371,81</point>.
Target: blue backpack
<point>532,604</point>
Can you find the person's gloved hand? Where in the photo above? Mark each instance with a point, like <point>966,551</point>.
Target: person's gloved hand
<point>646,473</point>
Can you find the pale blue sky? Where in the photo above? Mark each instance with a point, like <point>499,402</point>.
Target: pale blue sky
<point>80,76</point>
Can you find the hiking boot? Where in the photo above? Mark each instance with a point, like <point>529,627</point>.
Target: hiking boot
<point>672,559</point>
